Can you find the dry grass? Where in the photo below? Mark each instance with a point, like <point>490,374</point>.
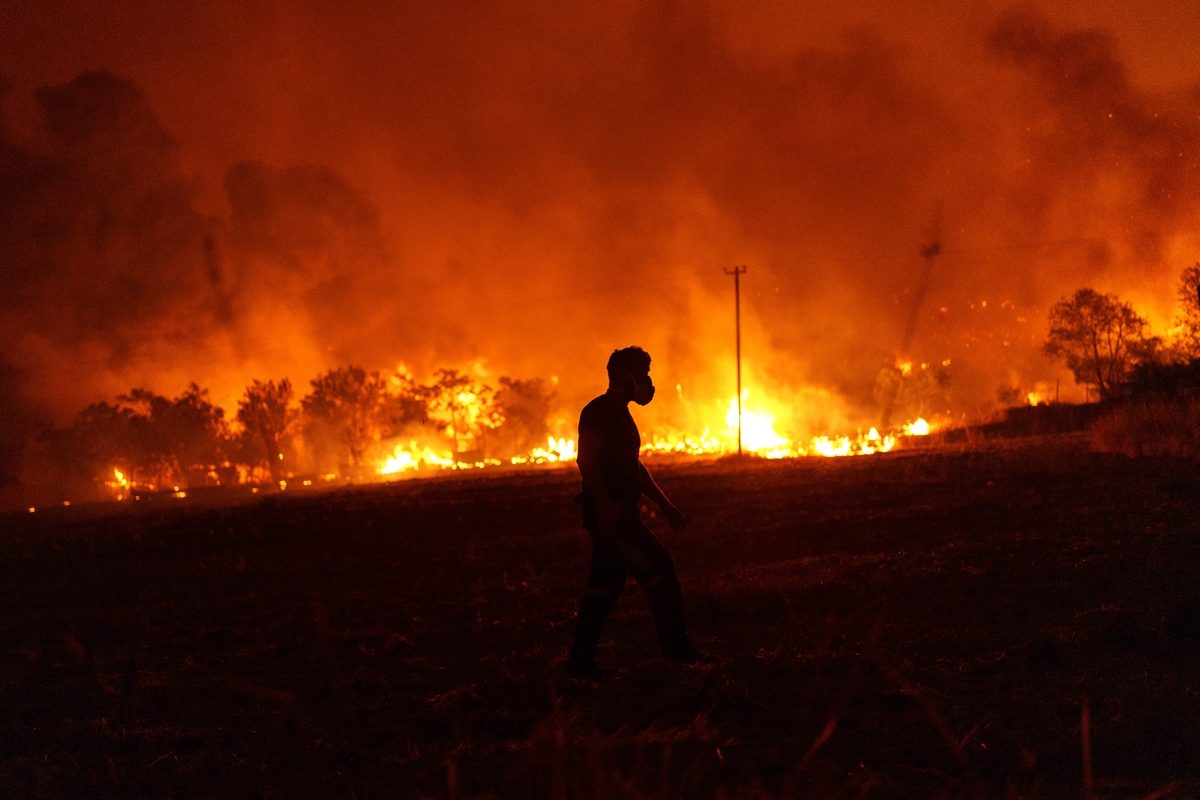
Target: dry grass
<point>1167,427</point>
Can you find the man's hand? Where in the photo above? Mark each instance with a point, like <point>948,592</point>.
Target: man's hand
<point>674,517</point>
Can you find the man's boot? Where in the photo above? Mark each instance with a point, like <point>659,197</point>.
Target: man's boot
<point>666,604</point>
<point>594,607</point>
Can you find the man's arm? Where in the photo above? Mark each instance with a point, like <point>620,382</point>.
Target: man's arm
<point>650,489</point>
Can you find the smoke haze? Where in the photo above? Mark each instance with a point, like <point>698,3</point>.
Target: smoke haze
<point>225,192</point>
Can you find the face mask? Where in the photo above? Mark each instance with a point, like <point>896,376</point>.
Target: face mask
<point>643,393</point>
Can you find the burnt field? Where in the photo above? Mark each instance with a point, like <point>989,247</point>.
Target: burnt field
<point>938,623</point>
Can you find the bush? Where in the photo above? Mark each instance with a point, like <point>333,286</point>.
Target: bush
<point>1150,428</point>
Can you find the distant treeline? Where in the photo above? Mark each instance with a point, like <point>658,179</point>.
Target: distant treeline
<point>347,424</point>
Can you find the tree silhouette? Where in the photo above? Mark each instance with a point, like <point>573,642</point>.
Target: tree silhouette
<point>1188,321</point>
<point>348,406</point>
<point>406,406</point>
<point>1100,337</point>
<point>525,405</point>
<point>98,441</point>
<point>463,408</point>
<point>266,411</point>
<point>153,440</point>
<point>181,440</point>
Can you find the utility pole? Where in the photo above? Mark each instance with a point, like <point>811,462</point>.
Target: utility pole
<point>737,273</point>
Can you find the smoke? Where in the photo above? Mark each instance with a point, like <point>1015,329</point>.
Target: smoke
<point>524,188</point>
<point>310,265</point>
<point>1105,160</point>
<point>104,258</point>
<point>103,263</point>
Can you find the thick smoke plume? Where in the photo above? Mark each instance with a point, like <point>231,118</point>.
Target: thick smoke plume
<point>524,188</point>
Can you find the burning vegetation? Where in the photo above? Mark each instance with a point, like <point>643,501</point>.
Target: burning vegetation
<point>358,425</point>
<point>352,424</point>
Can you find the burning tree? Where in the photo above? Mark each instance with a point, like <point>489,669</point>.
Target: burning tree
<point>1188,321</point>
<point>1100,337</point>
<point>98,445</point>
<point>147,438</point>
<point>463,408</point>
<point>525,406</point>
<point>182,439</point>
<point>406,406</point>
<point>267,412</point>
<point>346,409</point>
<point>916,391</point>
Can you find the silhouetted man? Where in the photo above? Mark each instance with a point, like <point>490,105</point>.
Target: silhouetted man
<point>614,481</point>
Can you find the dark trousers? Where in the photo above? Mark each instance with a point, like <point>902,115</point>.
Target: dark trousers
<point>638,552</point>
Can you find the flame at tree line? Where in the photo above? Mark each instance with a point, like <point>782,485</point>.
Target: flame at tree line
<point>361,426</point>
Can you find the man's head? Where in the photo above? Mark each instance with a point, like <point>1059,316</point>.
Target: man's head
<point>629,375</point>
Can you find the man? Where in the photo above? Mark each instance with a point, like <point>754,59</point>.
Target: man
<point>614,481</point>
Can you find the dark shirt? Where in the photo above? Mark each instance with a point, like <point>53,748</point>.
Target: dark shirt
<point>620,444</point>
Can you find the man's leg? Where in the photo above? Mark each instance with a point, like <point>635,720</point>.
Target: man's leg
<point>606,580</point>
<point>652,567</point>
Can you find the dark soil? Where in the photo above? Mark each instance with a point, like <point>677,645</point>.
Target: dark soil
<point>909,625</point>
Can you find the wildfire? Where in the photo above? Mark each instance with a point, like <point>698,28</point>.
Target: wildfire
<point>1041,394</point>
<point>704,444</point>
<point>119,484</point>
<point>760,438</point>
<point>556,450</point>
<point>466,413</point>
<point>758,428</point>
<point>411,457</point>
<point>402,460</point>
<point>863,445</point>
